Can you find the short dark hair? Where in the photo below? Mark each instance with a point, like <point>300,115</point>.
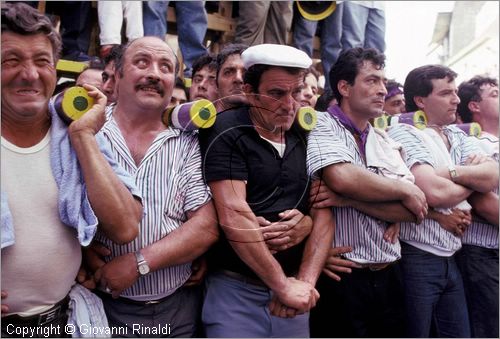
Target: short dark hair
<point>119,63</point>
<point>114,54</point>
<point>348,65</point>
<point>471,91</point>
<point>179,83</point>
<point>205,60</point>
<point>20,18</point>
<point>324,100</point>
<point>225,53</point>
<point>312,70</point>
<point>254,73</point>
<point>391,83</point>
<point>418,82</point>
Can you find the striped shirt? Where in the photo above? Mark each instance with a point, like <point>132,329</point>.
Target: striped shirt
<point>331,143</point>
<point>479,233</point>
<point>429,235</point>
<point>170,180</point>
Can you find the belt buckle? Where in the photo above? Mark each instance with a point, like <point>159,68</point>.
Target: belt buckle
<point>48,316</point>
<point>152,302</point>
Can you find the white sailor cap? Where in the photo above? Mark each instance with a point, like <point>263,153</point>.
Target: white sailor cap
<point>275,55</point>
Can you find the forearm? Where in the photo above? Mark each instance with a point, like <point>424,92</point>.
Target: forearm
<point>447,196</point>
<point>354,182</point>
<point>242,230</point>
<point>480,178</point>
<point>486,205</point>
<point>387,211</point>
<point>188,242</point>
<point>247,241</point>
<point>317,246</point>
<point>440,192</point>
<point>119,213</point>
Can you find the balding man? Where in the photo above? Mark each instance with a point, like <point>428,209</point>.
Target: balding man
<point>142,282</point>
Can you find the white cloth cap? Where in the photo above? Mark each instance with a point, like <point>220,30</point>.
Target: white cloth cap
<point>275,55</point>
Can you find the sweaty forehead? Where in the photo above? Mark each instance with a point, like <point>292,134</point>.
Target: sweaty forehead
<point>152,46</point>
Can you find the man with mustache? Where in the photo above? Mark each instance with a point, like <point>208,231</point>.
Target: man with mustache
<point>142,282</point>
<point>452,171</point>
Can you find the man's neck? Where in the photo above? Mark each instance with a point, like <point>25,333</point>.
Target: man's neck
<point>490,127</point>
<point>25,132</point>
<point>360,122</point>
<point>274,134</point>
<point>138,120</point>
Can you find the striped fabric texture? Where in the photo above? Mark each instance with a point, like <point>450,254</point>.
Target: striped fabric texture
<point>429,233</point>
<point>483,234</point>
<point>170,180</point>
<point>331,143</point>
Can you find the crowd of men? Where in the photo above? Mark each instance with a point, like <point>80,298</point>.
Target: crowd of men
<point>254,227</point>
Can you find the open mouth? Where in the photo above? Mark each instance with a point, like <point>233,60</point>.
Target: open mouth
<point>27,91</point>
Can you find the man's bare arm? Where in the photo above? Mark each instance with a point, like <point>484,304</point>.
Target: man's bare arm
<point>440,192</point>
<point>119,213</point>
<point>317,245</point>
<point>486,205</point>
<point>242,230</point>
<point>481,175</point>
<point>390,211</point>
<point>181,246</point>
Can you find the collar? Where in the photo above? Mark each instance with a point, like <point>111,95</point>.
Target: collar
<point>336,111</point>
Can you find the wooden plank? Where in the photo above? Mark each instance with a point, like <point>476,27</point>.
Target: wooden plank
<point>216,21</point>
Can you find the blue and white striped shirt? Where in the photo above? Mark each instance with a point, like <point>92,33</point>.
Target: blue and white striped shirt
<point>331,143</point>
<point>429,235</point>
<point>170,180</point>
<point>483,234</point>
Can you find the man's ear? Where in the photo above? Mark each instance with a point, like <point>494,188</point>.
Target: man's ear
<point>247,88</point>
<point>344,88</point>
<point>419,101</point>
<point>473,106</point>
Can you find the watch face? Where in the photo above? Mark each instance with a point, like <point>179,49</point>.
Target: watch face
<point>143,269</point>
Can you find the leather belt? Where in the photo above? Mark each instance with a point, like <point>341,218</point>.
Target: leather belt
<point>375,267</point>
<point>38,319</point>
<point>243,278</point>
<point>102,294</point>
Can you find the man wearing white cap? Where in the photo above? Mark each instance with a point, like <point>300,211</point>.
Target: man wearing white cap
<point>254,162</point>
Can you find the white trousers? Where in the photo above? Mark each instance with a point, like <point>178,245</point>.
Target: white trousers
<point>111,15</point>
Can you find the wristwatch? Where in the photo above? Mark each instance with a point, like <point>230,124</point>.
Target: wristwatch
<point>142,264</point>
<point>453,172</point>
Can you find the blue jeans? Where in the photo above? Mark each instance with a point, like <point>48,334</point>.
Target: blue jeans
<point>434,295</point>
<point>191,27</point>
<point>236,309</point>
<point>362,27</point>
<point>331,32</point>
<point>479,268</point>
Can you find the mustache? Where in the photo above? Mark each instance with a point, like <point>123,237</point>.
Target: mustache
<point>151,83</point>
